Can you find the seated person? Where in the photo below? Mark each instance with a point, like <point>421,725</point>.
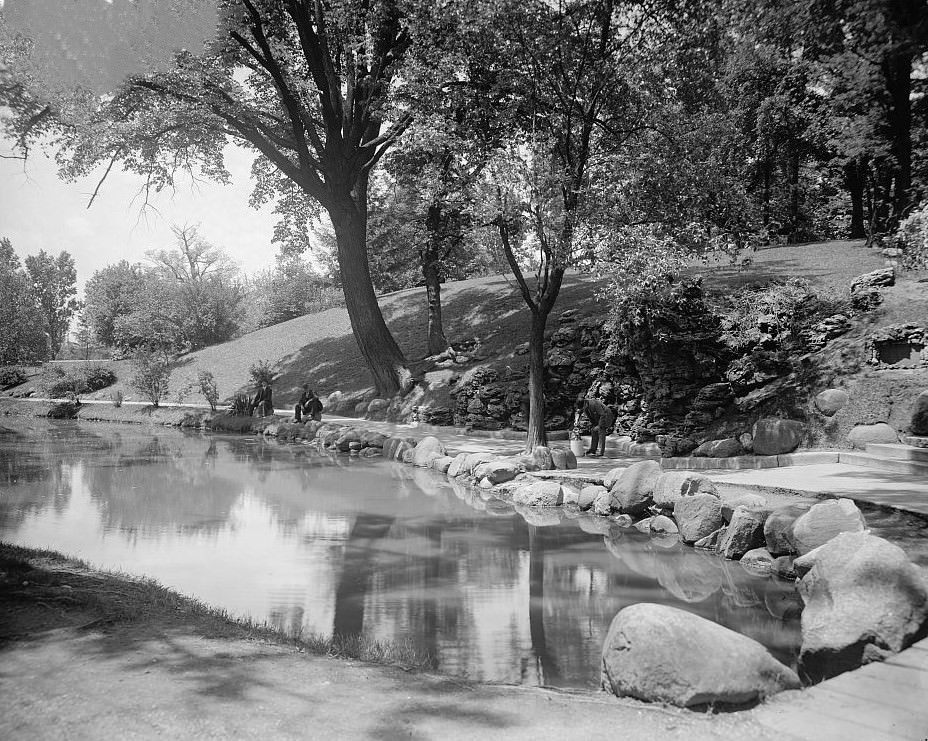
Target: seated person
<point>263,402</point>
<point>309,404</point>
<point>601,419</point>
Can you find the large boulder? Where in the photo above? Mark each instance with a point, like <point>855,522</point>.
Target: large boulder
<point>369,438</point>
<point>880,432</point>
<point>563,459</point>
<point>499,470</point>
<point>457,465</point>
<point>773,436</point>
<point>697,516</point>
<point>919,424</point>
<point>612,476</point>
<point>663,525</point>
<point>823,522</point>
<point>874,279</point>
<point>778,528</point>
<point>671,486</point>
<point>830,401</point>
<point>662,654</point>
<point>475,459</point>
<point>731,502</point>
<point>744,532</point>
<point>539,494</point>
<point>589,494</point>
<point>542,458</point>
<point>633,493</point>
<point>719,448</point>
<point>427,449</point>
<point>863,601</point>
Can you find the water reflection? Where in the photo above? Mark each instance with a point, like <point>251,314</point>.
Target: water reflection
<point>332,544</point>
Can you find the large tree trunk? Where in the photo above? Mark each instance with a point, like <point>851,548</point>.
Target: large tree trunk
<point>437,342</point>
<point>898,73</point>
<point>854,180</point>
<point>536,434</point>
<point>383,356</point>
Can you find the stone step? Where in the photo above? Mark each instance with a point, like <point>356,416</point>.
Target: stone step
<point>914,468</point>
<point>897,452</point>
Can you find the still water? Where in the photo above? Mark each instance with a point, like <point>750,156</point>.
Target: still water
<point>305,541</point>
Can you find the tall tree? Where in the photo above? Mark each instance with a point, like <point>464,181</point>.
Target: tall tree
<point>111,292</point>
<point>22,339</point>
<point>53,282</point>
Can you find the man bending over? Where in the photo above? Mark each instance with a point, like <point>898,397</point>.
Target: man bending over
<point>601,420</point>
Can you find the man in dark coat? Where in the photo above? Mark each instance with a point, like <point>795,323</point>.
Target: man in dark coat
<point>309,404</point>
<point>601,421</point>
<point>263,402</point>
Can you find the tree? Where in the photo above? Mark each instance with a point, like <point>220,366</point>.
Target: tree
<point>112,292</point>
<point>313,103</point>
<point>53,283</point>
<point>22,336</point>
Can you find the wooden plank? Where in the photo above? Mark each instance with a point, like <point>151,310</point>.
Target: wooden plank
<point>902,695</point>
<point>869,720</point>
<point>813,723</point>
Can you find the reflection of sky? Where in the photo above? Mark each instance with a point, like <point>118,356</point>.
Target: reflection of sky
<point>301,541</point>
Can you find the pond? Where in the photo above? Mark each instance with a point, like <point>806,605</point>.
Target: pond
<point>314,543</point>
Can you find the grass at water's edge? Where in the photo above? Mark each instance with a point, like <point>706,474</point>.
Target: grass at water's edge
<point>39,578</point>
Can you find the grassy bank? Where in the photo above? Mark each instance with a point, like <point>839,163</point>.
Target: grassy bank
<point>43,590</point>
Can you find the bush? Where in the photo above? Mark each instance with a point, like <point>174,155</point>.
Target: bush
<point>261,371</point>
<point>241,405</point>
<point>209,388</point>
<point>151,377</point>
<point>912,239</point>
<point>11,375</point>
<point>71,383</point>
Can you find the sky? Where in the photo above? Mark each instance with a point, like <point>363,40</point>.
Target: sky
<point>94,43</point>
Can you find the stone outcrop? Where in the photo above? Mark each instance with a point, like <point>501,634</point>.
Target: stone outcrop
<point>539,494</point>
<point>633,492</point>
<point>671,486</point>
<point>823,522</point>
<point>874,279</point>
<point>499,470</point>
<point>880,432</point>
<point>773,436</point>
<point>697,516</point>
<point>661,654</point>
<point>744,532</point>
<point>863,601</point>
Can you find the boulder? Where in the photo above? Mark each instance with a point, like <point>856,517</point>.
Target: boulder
<point>747,441</point>
<point>351,435</point>
<point>442,463</point>
<point>711,541</point>
<point>778,528</point>
<point>475,459</point>
<point>698,516</point>
<point>863,601</point>
<point>662,654</point>
<point>589,494</point>
<point>427,449</point>
<point>457,465</point>
<point>633,492</point>
<point>773,436</point>
<point>571,494</point>
<point>782,567</point>
<point>563,459</point>
<point>602,505</point>
<point>873,279</point>
<point>612,476</point>
<point>719,448</point>
<point>671,486</point>
<point>830,401</point>
<point>919,424</point>
<point>370,438</point>
<point>731,503</point>
<point>663,525</point>
<point>542,458</point>
<point>744,532</point>
<point>643,526</point>
<point>499,470</point>
<point>408,455</point>
<point>540,494</point>
<point>400,450</point>
<point>823,522</point>
<point>880,432</point>
<point>757,561</point>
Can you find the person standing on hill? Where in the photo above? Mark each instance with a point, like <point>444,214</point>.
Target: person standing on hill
<point>263,402</point>
<point>601,420</point>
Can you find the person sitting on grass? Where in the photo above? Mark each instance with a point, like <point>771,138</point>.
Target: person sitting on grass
<point>263,402</point>
<point>309,404</point>
<point>601,421</point>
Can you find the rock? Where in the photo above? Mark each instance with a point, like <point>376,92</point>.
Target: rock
<point>409,455</point>
<point>866,299</point>
<point>541,457</point>
<point>919,424</point>
<point>427,449</point>
<point>698,516</point>
<point>400,451</point>
<point>830,401</point>
<point>498,470</point>
<point>623,521</point>
<point>671,486</point>
<point>371,439</point>
<point>719,448</point>
<point>589,494</point>
<point>475,459</point>
<point>540,494</point>
<point>863,601</point>
<point>643,526</point>
<point>757,561</point>
<point>663,525</point>
<point>612,476</point>
<point>351,435</point>
<point>778,528</point>
<point>711,542</point>
<point>823,522</point>
<point>457,465</point>
<point>564,460</point>
<point>773,436</point>
<point>442,463</point>
<point>744,532</point>
<point>354,447</point>
<point>874,279</point>
<point>876,433</point>
<point>747,441</point>
<point>571,495</point>
<point>662,654</point>
<point>634,491</point>
<point>730,504</point>
<point>602,505</point>
<point>783,568</point>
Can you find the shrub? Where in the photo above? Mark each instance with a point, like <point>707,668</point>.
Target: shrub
<point>261,371</point>
<point>11,375</point>
<point>77,380</point>
<point>151,377</point>
<point>912,239</point>
<point>96,377</point>
<point>241,405</point>
<point>209,388</point>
